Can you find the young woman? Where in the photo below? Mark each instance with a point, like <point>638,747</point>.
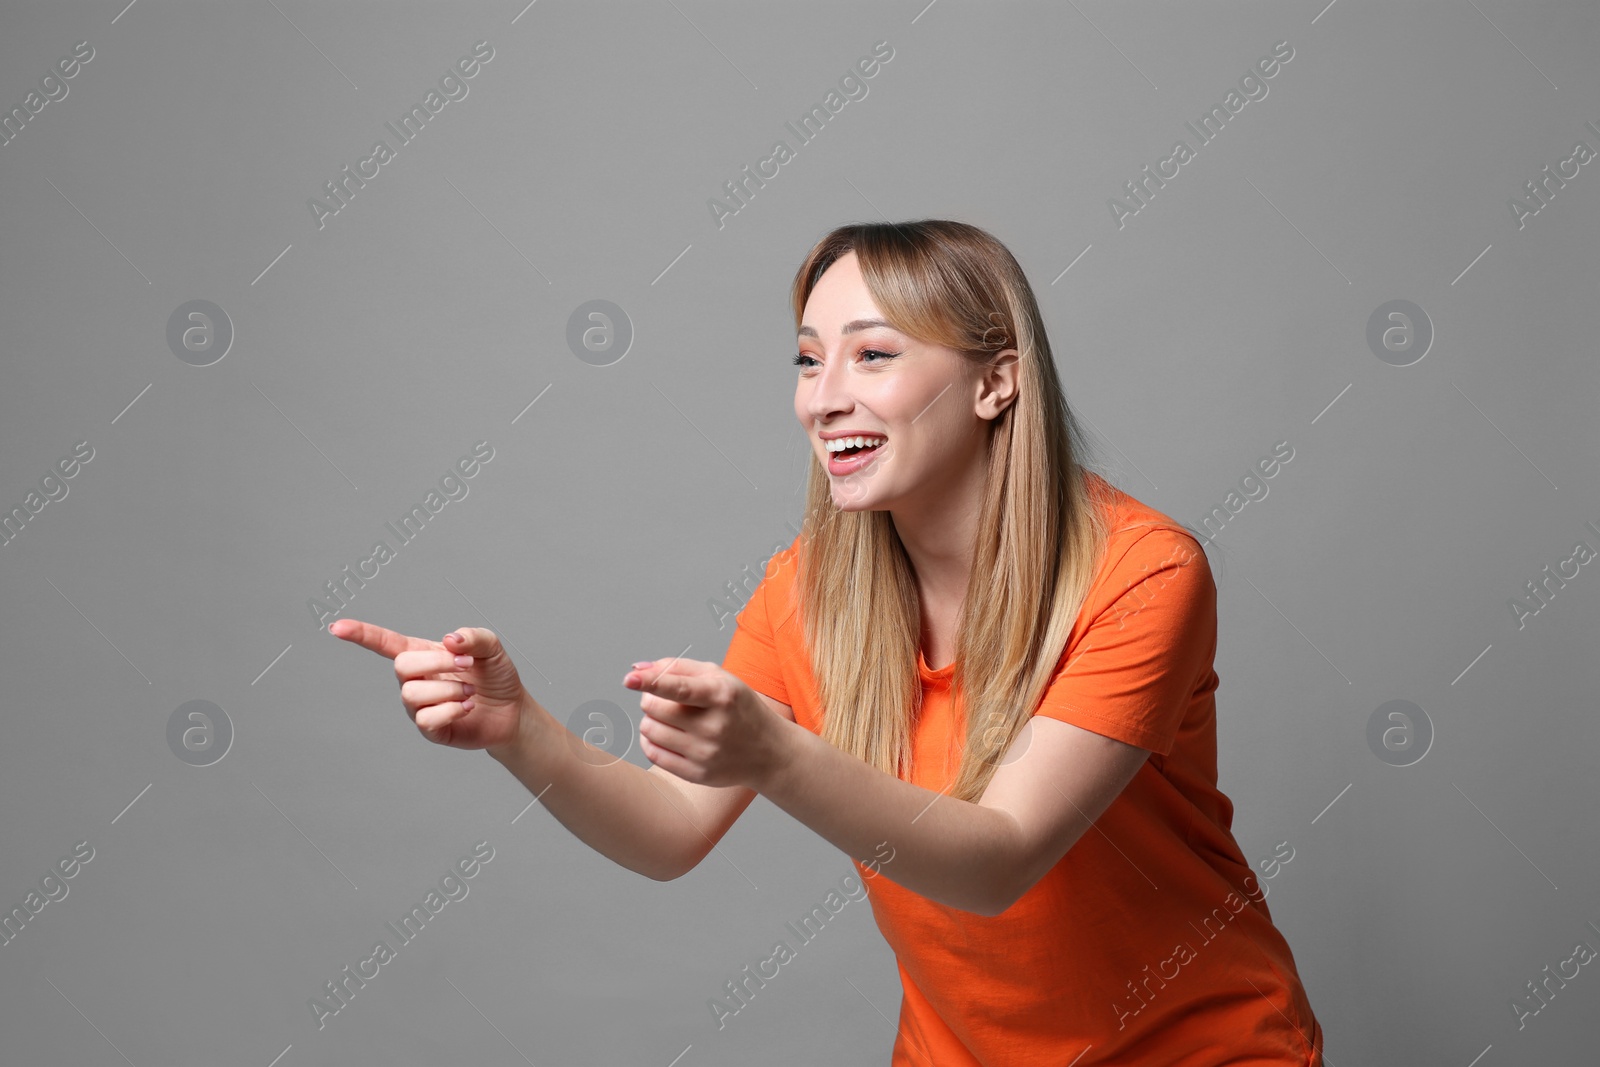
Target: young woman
<point>980,670</point>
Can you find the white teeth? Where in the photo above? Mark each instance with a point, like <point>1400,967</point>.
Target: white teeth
<point>842,443</point>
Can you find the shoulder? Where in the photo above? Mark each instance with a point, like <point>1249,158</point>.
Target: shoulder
<point>1140,540</point>
<point>1152,547</point>
<point>1154,577</point>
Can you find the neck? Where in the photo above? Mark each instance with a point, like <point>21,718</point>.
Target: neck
<point>938,532</point>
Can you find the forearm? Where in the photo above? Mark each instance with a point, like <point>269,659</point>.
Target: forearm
<point>636,819</point>
<point>957,853</point>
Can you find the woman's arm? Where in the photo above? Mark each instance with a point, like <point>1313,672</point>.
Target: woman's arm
<point>707,726</point>
<point>641,819</point>
<point>463,691</point>
<point>977,857</point>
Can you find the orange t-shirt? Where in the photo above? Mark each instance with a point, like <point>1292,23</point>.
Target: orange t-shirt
<point>1150,941</point>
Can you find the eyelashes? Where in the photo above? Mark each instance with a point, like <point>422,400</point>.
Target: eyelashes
<point>803,360</point>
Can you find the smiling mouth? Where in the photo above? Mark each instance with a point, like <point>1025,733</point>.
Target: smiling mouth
<point>853,450</point>
<point>852,459</point>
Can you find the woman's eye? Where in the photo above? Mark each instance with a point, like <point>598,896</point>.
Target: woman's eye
<point>803,360</point>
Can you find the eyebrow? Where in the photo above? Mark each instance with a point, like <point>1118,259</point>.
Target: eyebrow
<point>849,327</point>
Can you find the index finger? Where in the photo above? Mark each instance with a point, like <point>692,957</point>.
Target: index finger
<point>384,642</point>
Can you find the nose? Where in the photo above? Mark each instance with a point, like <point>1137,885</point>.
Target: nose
<point>827,391</point>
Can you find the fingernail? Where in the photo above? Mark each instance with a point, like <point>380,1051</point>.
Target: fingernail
<point>463,661</point>
<point>643,663</point>
<point>466,689</point>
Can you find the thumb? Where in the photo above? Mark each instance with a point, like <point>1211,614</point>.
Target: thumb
<point>678,665</point>
<point>472,641</point>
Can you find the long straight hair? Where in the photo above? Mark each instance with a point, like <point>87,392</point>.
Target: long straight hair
<point>1041,528</point>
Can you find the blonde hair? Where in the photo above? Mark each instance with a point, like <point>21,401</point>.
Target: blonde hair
<point>1041,530</point>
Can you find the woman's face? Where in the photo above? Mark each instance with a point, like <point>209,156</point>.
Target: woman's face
<point>920,403</point>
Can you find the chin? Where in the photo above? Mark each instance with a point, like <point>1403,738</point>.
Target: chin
<point>855,492</point>
<point>862,502</point>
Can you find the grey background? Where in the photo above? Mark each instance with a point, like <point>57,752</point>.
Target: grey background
<point>369,355</point>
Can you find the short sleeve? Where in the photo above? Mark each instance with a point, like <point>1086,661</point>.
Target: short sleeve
<point>1149,648</point>
<point>752,653</point>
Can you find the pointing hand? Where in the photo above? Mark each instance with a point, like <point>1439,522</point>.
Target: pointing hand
<point>473,704</point>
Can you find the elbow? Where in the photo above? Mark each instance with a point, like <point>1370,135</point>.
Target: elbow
<point>995,896</point>
<point>1010,891</point>
<point>654,872</point>
<point>677,868</point>
<point>660,874</point>
<point>997,906</point>
<point>988,906</point>
<point>655,868</point>
<point>667,872</point>
<point>1019,872</point>
<point>1022,865</point>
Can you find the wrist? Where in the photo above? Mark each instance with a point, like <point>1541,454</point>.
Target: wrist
<point>529,715</point>
<point>783,753</point>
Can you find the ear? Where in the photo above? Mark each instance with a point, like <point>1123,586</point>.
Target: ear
<point>997,383</point>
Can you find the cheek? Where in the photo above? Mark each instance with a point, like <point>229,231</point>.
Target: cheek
<point>931,448</point>
<point>920,404</point>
